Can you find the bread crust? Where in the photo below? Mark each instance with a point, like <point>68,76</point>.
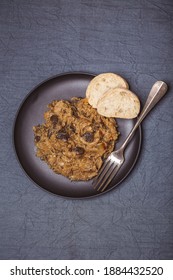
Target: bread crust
<point>102,83</point>
<point>119,103</point>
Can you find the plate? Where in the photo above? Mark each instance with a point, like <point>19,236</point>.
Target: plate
<point>30,113</point>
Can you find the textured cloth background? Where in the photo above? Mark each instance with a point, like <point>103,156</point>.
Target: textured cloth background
<point>39,39</point>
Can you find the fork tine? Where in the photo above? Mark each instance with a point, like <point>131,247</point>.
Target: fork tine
<point>104,174</point>
<point>110,178</point>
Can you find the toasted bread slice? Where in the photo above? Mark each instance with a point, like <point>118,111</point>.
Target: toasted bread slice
<point>100,84</point>
<point>119,103</point>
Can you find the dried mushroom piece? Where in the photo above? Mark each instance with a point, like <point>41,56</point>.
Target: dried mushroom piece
<point>79,150</point>
<point>88,137</point>
<point>37,138</point>
<point>62,134</point>
<point>54,119</point>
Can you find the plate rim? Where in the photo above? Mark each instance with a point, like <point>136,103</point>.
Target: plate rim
<point>25,172</point>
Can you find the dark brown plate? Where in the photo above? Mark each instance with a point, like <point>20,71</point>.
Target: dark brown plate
<point>30,113</point>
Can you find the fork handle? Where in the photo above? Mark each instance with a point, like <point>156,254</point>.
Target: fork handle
<point>157,91</point>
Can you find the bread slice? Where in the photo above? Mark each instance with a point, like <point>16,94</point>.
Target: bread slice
<point>119,103</point>
<point>100,84</point>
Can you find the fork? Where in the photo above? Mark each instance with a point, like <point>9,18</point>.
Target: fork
<point>116,159</point>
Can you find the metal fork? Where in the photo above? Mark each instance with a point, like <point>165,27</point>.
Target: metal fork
<point>116,158</point>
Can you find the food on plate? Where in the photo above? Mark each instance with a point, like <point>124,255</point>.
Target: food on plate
<point>100,84</point>
<point>119,103</point>
<point>74,140</point>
